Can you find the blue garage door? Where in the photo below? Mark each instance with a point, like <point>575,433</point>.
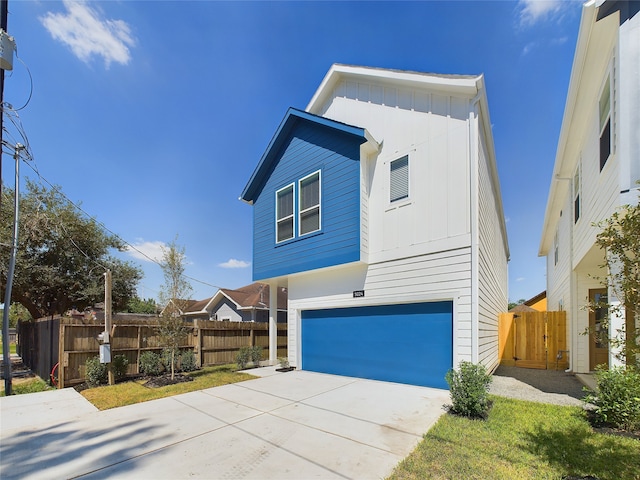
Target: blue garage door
<point>407,343</point>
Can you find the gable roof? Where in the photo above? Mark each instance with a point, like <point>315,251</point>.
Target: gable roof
<point>461,84</point>
<point>270,156</point>
<point>256,296</point>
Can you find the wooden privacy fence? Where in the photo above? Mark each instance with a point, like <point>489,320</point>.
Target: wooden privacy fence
<point>533,340</point>
<point>69,342</point>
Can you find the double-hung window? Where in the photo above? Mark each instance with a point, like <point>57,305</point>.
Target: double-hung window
<point>309,188</point>
<point>298,208</point>
<point>399,179</point>
<point>284,213</point>
<point>605,123</point>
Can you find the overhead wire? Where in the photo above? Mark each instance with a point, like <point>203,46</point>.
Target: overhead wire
<point>107,229</point>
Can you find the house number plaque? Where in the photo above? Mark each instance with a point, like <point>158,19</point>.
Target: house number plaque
<point>358,293</point>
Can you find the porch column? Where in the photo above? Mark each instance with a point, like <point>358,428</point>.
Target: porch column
<point>616,323</point>
<point>273,323</point>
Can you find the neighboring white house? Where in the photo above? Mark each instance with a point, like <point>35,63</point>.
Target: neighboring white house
<point>596,169</point>
<point>245,304</point>
<point>379,208</point>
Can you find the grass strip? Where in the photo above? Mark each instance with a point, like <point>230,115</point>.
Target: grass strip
<point>521,440</point>
<point>128,393</point>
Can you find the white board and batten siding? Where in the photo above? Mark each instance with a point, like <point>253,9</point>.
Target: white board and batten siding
<point>419,249</point>
<point>492,259</point>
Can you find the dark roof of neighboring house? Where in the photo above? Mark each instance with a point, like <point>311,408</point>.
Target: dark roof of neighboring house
<point>536,299</point>
<point>256,295</point>
<point>197,305</point>
<point>522,308</point>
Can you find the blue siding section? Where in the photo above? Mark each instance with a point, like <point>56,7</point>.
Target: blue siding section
<point>408,343</point>
<point>309,147</point>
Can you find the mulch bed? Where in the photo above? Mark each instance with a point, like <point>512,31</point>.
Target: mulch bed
<point>608,429</point>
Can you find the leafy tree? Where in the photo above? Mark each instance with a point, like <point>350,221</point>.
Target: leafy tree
<point>138,305</point>
<point>619,237</point>
<point>515,304</point>
<point>18,313</point>
<point>60,254</point>
<point>174,294</point>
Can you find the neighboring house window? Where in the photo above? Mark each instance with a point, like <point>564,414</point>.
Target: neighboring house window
<point>309,202</point>
<point>555,248</point>
<point>284,213</point>
<point>576,195</point>
<point>399,179</point>
<point>605,123</point>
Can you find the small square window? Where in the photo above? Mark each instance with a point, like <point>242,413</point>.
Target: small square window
<point>399,179</point>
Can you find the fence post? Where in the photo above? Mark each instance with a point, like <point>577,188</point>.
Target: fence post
<point>61,355</point>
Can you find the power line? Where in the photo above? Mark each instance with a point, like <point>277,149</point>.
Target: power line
<point>118,237</point>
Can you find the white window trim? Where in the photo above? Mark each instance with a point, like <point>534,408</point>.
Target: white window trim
<point>293,213</point>
<point>609,117</point>
<point>319,206</point>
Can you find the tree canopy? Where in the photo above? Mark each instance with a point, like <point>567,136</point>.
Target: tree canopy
<point>62,255</point>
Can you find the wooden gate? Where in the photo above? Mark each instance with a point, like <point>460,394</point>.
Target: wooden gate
<point>533,340</point>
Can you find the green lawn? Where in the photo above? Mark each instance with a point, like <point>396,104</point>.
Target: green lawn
<point>128,393</point>
<point>12,348</point>
<point>521,440</point>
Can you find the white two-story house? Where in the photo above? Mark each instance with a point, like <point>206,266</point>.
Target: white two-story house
<point>596,171</point>
<point>378,207</point>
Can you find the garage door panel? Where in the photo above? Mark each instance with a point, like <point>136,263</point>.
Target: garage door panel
<point>399,343</point>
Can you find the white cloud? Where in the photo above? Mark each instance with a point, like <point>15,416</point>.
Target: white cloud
<point>147,251</point>
<point>233,263</point>
<point>533,11</point>
<point>520,279</point>
<point>528,47</point>
<point>84,30</point>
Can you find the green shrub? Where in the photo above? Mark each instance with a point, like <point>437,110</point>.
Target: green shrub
<point>256,355</point>
<point>469,387</point>
<point>243,356</point>
<point>150,364</point>
<point>617,400</point>
<point>119,364</point>
<point>188,361</point>
<point>96,372</point>
<point>284,362</point>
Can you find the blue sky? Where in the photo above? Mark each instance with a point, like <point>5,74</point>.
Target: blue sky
<point>154,114</point>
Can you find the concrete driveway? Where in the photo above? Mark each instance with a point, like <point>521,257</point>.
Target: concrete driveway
<point>295,425</point>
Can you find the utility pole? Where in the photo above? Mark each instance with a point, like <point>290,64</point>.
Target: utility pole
<point>6,355</point>
<point>4,15</point>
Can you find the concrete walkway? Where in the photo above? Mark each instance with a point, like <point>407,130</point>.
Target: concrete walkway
<point>284,425</point>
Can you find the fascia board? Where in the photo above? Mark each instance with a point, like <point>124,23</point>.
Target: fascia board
<point>558,187</point>
<point>495,179</point>
<point>455,84</point>
<point>286,125</point>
